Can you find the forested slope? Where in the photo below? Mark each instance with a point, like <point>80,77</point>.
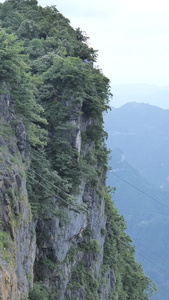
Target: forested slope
<point>61,237</point>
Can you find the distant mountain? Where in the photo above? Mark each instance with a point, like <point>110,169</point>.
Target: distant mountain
<point>142,132</point>
<point>139,140</point>
<point>153,94</point>
<point>147,220</point>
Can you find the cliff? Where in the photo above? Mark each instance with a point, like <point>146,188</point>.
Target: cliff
<point>17,235</point>
<point>61,237</point>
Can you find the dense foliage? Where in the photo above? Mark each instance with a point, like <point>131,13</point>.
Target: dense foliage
<point>41,62</point>
<point>14,70</point>
<point>46,66</point>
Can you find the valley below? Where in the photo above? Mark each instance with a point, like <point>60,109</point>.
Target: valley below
<point>139,143</point>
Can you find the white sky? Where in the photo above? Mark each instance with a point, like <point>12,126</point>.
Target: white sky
<point>132,36</point>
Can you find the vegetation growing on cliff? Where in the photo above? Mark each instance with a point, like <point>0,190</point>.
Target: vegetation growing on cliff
<point>22,86</point>
<point>41,62</point>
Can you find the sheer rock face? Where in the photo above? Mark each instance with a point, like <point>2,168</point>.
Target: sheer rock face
<point>56,237</point>
<point>17,252</point>
<point>42,250</point>
<point>55,241</point>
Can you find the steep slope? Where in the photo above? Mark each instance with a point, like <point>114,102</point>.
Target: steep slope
<point>17,229</point>
<point>81,249</point>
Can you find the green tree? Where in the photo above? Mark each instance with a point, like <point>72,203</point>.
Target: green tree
<point>14,71</point>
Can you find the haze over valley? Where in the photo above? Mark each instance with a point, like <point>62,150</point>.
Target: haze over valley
<point>139,140</point>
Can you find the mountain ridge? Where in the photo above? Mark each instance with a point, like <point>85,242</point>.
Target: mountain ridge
<point>142,199</point>
<point>141,132</point>
<point>148,93</point>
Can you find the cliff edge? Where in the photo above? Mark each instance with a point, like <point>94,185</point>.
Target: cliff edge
<point>60,234</point>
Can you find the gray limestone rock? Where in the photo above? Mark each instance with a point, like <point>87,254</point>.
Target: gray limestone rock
<point>56,238</point>
<point>16,272</point>
<point>48,249</point>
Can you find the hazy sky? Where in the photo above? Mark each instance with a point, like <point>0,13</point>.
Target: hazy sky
<point>132,36</point>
